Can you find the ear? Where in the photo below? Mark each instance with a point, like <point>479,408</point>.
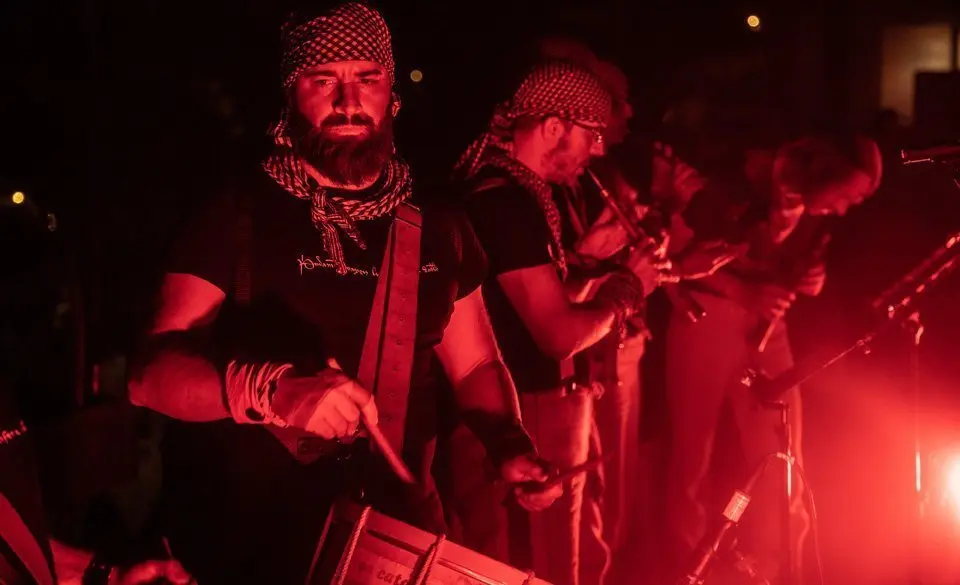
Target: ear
<point>552,129</point>
<point>394,105</point>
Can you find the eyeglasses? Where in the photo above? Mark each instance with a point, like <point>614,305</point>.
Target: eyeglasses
<point>594,132</point>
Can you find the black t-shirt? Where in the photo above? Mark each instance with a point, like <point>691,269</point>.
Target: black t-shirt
<point>514,233</point>
<point>234,488</point>
<point>19,484</point>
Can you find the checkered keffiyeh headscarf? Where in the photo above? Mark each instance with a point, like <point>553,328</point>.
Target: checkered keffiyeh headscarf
<point>555,88</point>
<point>349,32</point>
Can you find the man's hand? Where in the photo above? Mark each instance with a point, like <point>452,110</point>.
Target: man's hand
<point>812,283</point>
<point>674,178</point>
<point>525,469</point>
<point>328,404</point>
<point>703,259</point>
<point>604,239</point>
<point>649,268</point>
<point>769,301</point>
<point>152,572</point>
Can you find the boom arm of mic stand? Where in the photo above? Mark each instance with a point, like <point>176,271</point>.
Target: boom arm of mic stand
<point>897,305</point>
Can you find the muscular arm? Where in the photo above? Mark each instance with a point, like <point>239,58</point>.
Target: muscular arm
<point>517,247</point>
<point>559,328</point>
<point>174,375</point>
<point>482,386</point>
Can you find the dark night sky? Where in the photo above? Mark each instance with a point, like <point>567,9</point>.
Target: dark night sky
<point>119,115</point>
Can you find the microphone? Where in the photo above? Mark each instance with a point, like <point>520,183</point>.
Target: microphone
<point>932,154</point>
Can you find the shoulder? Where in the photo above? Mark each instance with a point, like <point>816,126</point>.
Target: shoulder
<point>452,237</point>
<point>492,184</point>
<point>493,198</point>
<point>443,217</point>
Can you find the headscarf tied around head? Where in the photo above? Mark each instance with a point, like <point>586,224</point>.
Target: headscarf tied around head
<point>555,88</point>
<point>349,32</point>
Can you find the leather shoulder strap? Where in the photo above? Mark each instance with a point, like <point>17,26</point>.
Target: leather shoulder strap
<point>386,363</point>
<point>23,544</point>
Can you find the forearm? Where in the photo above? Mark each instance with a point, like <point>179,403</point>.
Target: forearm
<point>488,404</point>
<point>585,324</point>
<point>176,375</point>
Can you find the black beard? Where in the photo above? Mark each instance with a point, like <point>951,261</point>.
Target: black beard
<point>350,160</point>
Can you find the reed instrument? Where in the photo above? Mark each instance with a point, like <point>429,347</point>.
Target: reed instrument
<point>793,280</point>
<point>653,233</point>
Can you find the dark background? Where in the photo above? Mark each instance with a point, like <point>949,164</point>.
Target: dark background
<point>117,117</point>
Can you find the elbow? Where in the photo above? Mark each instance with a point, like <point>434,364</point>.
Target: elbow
<point>558,339</point>
<point>556,347</point>
<point>142,380</point>
<point>138,390</point>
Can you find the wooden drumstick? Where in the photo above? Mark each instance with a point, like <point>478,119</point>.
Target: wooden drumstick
<point>376,435</point>
<point>393,459</point>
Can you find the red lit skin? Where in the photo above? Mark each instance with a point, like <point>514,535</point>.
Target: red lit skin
<point>347,88</point>
<point>186,303</point>
<point>468,352</point>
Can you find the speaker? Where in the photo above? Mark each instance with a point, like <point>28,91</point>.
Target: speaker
<point>937,106</point>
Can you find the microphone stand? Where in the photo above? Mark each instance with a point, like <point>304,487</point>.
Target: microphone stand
<point>899,304</point>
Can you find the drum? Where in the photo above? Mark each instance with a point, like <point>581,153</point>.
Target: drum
<point>362,547</point>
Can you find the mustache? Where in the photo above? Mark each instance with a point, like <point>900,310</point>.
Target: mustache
<point>335,120</point>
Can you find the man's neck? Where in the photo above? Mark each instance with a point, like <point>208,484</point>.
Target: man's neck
<point>328,183</point>
<point>532,160</point>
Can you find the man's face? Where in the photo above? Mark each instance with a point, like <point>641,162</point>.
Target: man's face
<point>568,155</point>
<point>837,199</point>
<point>343,123</point>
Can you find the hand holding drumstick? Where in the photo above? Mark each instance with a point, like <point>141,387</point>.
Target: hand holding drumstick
<point>332,405</point>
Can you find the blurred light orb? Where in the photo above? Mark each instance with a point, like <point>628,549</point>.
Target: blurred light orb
<point>18,198</point>
<point>416,76</point>
<point>753,21</point>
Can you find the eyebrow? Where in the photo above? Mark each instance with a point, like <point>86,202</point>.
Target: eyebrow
<point>364,73</point>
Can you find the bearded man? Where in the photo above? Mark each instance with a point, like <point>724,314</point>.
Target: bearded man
<point>307,301</point>
<point>547,134</point>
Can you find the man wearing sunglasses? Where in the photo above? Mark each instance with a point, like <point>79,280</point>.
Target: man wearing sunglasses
<point>545,135</point>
